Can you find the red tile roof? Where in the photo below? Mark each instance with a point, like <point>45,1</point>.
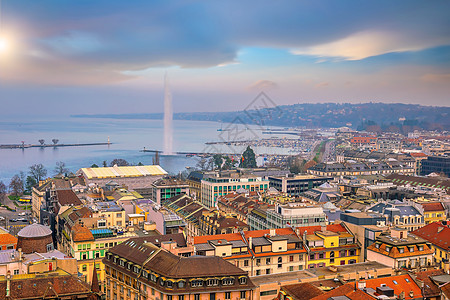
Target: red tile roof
<point>261,233</point>
<point>228,236</point>
<point>68,197</point>
<point>302,291</point>
<point>332,227</point>
<point>7,239</point>
<point>399,283</point>
<point>347,290</point>
<point>418,154</point>
<point>435,233</point>
<point>430,289</point>
<point>81,233</point>
<point>433,206</point>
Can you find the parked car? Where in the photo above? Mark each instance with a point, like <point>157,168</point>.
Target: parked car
<point>22,214</point>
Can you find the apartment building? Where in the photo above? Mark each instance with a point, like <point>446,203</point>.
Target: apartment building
<point>137,269</point>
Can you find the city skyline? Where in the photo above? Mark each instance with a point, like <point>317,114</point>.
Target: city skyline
<point>85,57</point>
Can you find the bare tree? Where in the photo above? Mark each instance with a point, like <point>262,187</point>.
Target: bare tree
<point>60,168</point>
<point>120,162</point>
<point>16,185</point>
<point>38,172</point>
<point>55,141</point>
<point>42,142</point>
<point>3,190</point>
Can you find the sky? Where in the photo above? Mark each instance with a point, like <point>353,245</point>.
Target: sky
<point>91,57</point>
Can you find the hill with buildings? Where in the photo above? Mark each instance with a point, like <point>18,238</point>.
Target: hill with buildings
<point>372,116</point>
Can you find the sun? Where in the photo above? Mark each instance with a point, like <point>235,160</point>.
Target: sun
<point>4,45</point>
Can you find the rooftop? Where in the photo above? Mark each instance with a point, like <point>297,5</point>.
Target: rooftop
<point>118,172</point>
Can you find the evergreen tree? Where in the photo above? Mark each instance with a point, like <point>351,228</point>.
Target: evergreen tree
<point>248,159</point>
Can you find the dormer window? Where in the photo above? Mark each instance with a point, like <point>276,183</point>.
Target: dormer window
<point>228,281</point>
<point>181,284</point>
<point>169,284</point>
<point>243,280</point>
<point>411,249</point>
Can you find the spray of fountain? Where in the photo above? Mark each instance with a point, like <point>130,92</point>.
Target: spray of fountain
<point>168,118</point>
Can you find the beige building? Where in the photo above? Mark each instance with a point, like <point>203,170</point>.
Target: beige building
<point>401,250</point>
<point>214,186</point>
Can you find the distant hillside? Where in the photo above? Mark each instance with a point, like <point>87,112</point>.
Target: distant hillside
<point>373,116</point>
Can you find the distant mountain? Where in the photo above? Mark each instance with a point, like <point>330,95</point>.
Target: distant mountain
<point>379,116</point>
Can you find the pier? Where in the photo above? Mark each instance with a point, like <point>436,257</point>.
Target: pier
<point>26,146</point>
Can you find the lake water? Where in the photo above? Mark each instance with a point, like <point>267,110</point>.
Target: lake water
<point>128,137</point>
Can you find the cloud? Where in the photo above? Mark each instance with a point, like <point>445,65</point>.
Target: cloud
<point>263,85</point>
<point>436,78</point>
<point>362,45</point>
<point>322,84</point>
<point>105,41</point>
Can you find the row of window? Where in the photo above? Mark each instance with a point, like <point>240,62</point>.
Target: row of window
<point>342,253</point>
<point>171,283</point>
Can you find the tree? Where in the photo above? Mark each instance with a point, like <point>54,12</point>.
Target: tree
<point>60,168</point>
<point>140,164</point>
<point>94,166</point>
<point>16,186</point>
<point>2,190</point>
<point>104,164</point>
<point>38,172</point>
<point>228,164</point>
<point>30,182</point>
<point>204,164</point>
<point>248,159</point>
<point>42,142</point>
<point>55,141</point>
<point>120,162</point>
<point>218,161</point>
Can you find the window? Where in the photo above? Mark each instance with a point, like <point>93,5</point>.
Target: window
<point>243,280</point>
<point>181,284</point>
<point>243,294</point>
<point>228,281</point>
<point>321,255</point>
<point>267,271</point>
<point>267,261</point>
<point>181,297</point>
<point>291,258</point>
<point>16,272</point>
<point>258,272</point>
<point>258,261</point>
<point>196,296</point>
<point>311,256</point>
<point>227,295</point>
<point>401,250</point>
<point>332,254</point>
<point>84,268</point>
<point>212,282</point>
<point>212,296</point>
<point>291,268</point>
<point>169,297</point>
<point>196,283</point>
<point>411,249</point>
<point>331,260</point>
<point>169,284</point>
<point>352,252</point>
<point>246,263</point>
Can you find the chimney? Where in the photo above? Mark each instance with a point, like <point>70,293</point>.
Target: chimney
<point>250,243</point>
<point>323,228</point>
<point>20,254</point>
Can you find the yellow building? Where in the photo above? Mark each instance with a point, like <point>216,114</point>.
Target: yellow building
<point>329,245</point>
<point>438,234</point>
<point>89,246</point>
<point>433,212</point>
